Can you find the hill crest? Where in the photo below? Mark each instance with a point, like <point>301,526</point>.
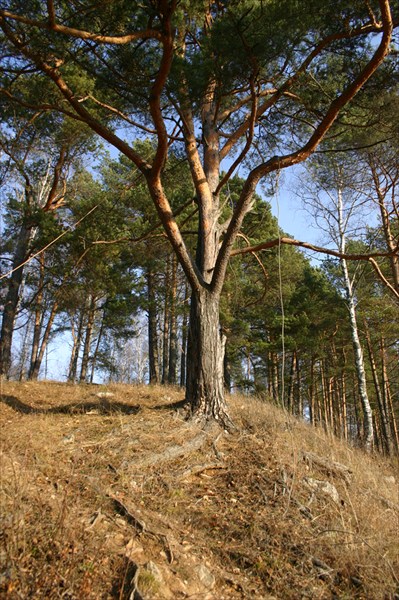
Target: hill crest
<point>108,492</point>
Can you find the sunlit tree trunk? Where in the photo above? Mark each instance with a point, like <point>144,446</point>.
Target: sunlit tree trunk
<point>205,380</point>
<point>386,395</point>
<point>391,183</point>
<point>385,425</point>
<point>38,315</point>
<point>96,350</point>
<point>77,340</point>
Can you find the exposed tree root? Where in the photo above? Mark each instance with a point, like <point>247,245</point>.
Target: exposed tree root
<point>172,452</point>
<point>329,466</point>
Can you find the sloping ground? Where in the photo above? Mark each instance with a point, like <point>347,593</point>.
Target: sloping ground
<point>117,496</point>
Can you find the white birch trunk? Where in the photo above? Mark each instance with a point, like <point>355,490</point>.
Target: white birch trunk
<point>359,360</point>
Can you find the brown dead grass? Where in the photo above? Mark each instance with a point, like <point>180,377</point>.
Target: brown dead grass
<point>82,518</point>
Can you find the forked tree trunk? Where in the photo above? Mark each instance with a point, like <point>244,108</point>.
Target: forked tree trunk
<point>205,357</point>
<point>35,366</point>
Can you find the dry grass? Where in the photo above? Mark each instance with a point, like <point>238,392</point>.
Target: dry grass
<point>92,506</point>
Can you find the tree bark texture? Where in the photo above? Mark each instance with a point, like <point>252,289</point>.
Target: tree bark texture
<point>205,375</point>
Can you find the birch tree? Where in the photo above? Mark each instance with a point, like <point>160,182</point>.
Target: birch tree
<point>337,211</point>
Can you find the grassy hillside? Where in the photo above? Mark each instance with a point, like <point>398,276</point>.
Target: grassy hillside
<point>117,496</point>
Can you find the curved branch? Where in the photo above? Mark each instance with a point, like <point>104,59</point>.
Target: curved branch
<point>81,34</point>
<point>85,115</point>
<point>383,278</point>
<point>370,257</point>
<point>291,242</point>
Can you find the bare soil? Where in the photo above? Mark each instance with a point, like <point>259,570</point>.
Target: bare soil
<point>108,492</point>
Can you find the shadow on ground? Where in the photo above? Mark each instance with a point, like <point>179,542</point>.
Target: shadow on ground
<point>103,407</point>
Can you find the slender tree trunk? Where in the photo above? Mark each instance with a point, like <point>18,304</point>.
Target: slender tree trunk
<point>87,342</point>
<point>312,414</point>
<point>24,352</point>
<point>166,323</point>
<point>275,377</point>
<point>96,350</point>
<point>12,299</point>
<point>359,361</point>
<point>38,315</point>
<point>184,336</point>
<point>385,425</point>
<point>387,397</point>
<point>77,340</point>
<point>298,389</point>
<point>153,355</point>
<point>291,386</point>
<point>344,411</point>
<point>172,367</point>
<point>324,395</point>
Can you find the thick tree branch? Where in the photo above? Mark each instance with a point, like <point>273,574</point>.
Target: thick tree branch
<point>291,242</point>
<point>81,34</point>
<point>156,91</point>
<point>55,75</point>
<point>54,200</point>
<point>369,257</point>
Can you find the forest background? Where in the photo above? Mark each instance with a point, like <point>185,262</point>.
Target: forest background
<point>85,252</point>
